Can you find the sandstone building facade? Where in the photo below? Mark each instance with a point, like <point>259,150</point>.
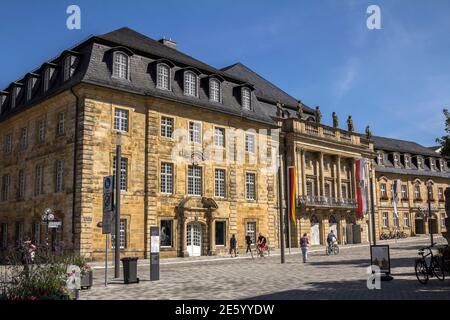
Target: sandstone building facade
<point>200,151</point>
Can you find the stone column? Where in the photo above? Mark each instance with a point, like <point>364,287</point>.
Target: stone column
<point>339,178</point>
<point>322,175</point>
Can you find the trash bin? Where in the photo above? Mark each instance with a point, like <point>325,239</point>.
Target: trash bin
<point>130,270</point>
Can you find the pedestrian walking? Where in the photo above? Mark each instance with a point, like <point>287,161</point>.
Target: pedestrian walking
<point>233,245</point>
<point>304,243</point>
<point>248,241</point>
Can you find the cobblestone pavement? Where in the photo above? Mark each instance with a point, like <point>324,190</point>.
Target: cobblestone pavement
<point>323,277</point>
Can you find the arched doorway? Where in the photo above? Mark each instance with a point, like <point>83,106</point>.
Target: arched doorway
<point>419,223</point>
<point>334,226</point>
<point>433,224</point>
<point>315,230</point>
<point>194,239</point>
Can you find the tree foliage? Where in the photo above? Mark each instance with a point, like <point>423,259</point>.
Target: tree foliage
<point>444,141</point>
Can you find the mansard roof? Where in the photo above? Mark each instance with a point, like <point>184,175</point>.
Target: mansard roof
<point>94,67</point>
<point>264,89</point>
<point>402,146</point>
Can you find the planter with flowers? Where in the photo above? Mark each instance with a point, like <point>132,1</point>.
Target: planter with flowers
<point>86,273</point>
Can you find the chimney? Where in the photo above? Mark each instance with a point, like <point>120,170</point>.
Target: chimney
<point>168,42</point>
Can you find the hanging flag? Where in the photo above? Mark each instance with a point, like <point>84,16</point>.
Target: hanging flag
<point>395,191</point>
<point>292,183</point>
<point>362,177</point>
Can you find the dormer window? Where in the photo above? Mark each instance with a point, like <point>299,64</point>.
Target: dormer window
<point>190,83</point>
<point>13,97</point>
<point>396,160</point>
<point>120,65</point>
<point>163,76</point>
<point>47,75</point>
<point>215,91</point>
<point>30,86</point>
<point>246,98</point>
<point>380,158</point>
<point>407,161</point>
<point>69,67</point>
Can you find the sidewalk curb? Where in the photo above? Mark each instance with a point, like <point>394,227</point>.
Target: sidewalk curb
<point>296,252</point>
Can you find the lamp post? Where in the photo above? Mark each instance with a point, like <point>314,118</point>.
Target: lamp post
<point>430,217</point>
<point>117,179</point>
<point>46,217</point>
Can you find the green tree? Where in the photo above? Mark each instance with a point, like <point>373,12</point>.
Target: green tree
<point>444,141</point>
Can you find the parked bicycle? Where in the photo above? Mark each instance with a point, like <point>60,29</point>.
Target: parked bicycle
<point>393,235</point>
<point>424,270</point>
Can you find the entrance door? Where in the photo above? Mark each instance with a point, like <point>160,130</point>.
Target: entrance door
<point>420,226</point>
<point>194,239</point>
<point>315,234</point>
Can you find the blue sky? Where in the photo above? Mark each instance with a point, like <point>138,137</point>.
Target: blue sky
<point>396,79</point>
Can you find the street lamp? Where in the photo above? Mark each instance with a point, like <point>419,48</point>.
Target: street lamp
<point>46,217</point>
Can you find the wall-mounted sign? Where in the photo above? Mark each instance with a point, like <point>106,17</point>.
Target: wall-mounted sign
<point>54,224</point>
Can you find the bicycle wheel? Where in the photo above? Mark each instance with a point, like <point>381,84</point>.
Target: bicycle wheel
<point>421,271</point>
<point>437,268</point>
<point>327,250</point>
<point>336,250</point>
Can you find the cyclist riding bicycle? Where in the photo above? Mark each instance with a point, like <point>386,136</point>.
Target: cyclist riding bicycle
<point>331,239</point>
<point>261,244</point>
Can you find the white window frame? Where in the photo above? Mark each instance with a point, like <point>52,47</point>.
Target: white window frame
<point>441,194</point>
<point>123,172</point>
<point>39,180</point>
<point>383,190</point>
<point>251,231</point>
<point>250,144</point>
<point>162,79</point>
<point>385,216</point>
<point>215,92</point>
<point>167,126</point>
<point>59,176</point>
<point>21,184</point>
<point>24,138</point>
<point>166,177</point>
<point>219,137</point>
<point>417,192</point>
<point>121,67</point>
<point>404,191</point>
<point>61,126</point>
<point>68,67</point>
<point>190,84</point>
<point>195,132</point>
<point>121,120</point>
<point>195,181</point>
<point>250,186</point>
<point>406,222</point>
<point>246,98</point>
<point>220,183</point>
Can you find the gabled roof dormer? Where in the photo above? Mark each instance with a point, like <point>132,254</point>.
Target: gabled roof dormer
<point>118,61</point>
<point>69,62</point>
<point>48,75</point>
<point>31,80</point>
<point>243,93</point>
<point>3,101</point>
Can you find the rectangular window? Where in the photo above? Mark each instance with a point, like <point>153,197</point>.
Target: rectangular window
<point>219,183</point>
<point>163,77</point>
<point>396,221</point>
<point>327,190</point>
<point>385,219</point>
<point>6,179</point>
<point>167,127</point>
<point>194,181</point>
<point>21,184</point>
<point>19,232</point>
<point>383,191</point>
<point>121,120</point>
<point>120,66</point>
<point>167,178</point>
<point>404,192</point>
<point>250,143</point>
<point>166,235</point>
<point>60,129</point>
<point>190,84</point>
<point>39,181</point>
<point>37,233</point>
<point>23,138</point>
<point>219,137</point>
<point>8,143</point>
<point>417,192</point>
<point>13,98</point>
<point>59,175</point>
<point>195,132</point>
<point>220,233</point>
<point>123,173</point>
<point>3,235</point>
<point>46,79</point>
<point>309,188</point>
<point>30,84</point>
<point>251,230</point>
<point>250,186</point>
<point>41,130</point>
<point>406,220</point>
<point>441,194</point>
<point>344,191</point>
